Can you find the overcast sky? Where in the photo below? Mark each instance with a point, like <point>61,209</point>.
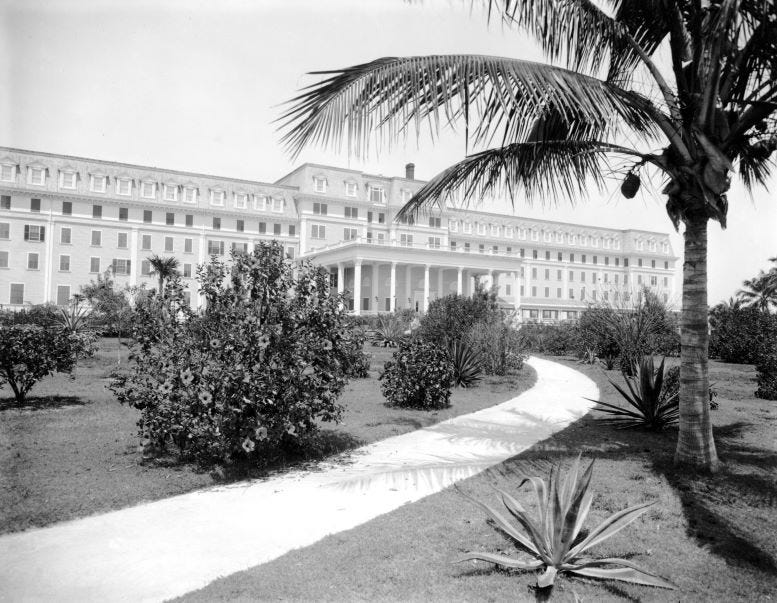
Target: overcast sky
<point>196,86</point>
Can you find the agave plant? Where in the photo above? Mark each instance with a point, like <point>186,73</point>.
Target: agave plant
<point>75,318</point>
<point>467,365</point>
<point>389,331</point>
<point>650,407</point>
<point>553,538</point>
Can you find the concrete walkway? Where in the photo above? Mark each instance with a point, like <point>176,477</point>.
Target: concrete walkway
<point>163,549</point>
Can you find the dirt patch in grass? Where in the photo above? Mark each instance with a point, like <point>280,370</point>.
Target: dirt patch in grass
<point>72,450</point>
<point>714,536</point>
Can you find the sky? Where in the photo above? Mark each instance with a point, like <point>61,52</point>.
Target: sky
<point>198,86</point>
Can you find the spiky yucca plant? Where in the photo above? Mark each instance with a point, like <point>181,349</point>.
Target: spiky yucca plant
<point>552,538</point>
<point>649,408</point>
<point>389,331</point>
<point>467,365</point>
<point>75,318</point>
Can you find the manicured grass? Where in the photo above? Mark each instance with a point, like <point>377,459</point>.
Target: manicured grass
<point>73,451</point>
<point>714,536</point>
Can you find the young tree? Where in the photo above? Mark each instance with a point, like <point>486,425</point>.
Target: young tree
<point>165,268</point>
<point>760,292</point>
<point>111,306</point>
<point>712,106</point>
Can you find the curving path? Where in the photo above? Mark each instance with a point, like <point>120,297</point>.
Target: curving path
<point>167,548</point>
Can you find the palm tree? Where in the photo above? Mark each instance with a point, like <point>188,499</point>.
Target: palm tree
<point>548,131</point>
<point>165,269</point>
<point>759,292</point>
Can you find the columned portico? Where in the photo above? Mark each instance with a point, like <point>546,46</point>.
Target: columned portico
<point>443,271</point>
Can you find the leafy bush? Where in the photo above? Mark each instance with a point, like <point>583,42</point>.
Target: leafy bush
<point>651,406</point>
<point>466,365</point>
<point>30,352</point>
<point>741,335</point>
<point>499,347</point>
<point>419,376</point>
<point>552,538</point>
<point>253,374</point>
<point>42,315</point>
<point>452,317</point>
<point>355,362</point>
<point>555,339</point>
<point>767,376</point>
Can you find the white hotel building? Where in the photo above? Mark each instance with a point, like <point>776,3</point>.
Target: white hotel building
<point>64,220</point>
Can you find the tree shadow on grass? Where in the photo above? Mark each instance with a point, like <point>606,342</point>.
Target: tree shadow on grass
<point>33,403</point>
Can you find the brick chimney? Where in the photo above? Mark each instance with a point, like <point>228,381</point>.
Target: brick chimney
<point>410,171</point>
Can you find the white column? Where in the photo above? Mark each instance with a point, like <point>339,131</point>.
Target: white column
<point>439,282</point>
<point>426,288</point>
<point>393,288</point>
<point>303,235</point>
<point>408,285</point>
<point>516,291</point>
<point>357,287</point>
<point>48,261</point>
<point>491,280</point>
<point>459,283</point>
<point>374,268</point>
<point>340,277</point>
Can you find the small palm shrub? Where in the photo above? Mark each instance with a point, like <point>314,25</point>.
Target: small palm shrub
<point>254,374</point>
<point>466,365</point>
<point>649,406</point>
<point>554,538</point>
<point>419,376</point>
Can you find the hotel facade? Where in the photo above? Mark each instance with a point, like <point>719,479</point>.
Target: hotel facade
<point>64,220</point>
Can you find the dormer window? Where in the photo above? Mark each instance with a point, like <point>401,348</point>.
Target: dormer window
<point>7,172</point>
<point>148,190</point>
<point>217,198</point>
<point>378,195</point>
<point>36,175</point>
<point>547,236</point>
<point>665,247</point>
<point>652,245</point>
<point>573,239</point>
<point>97,183</point>
<point>351,189</point>
<point>260,202</point>
<point>494,230</point>
<point>509,232</point>
<point>453,225</point>
<point>124,186</point>
<point>170,192</point>
<point>559,237</point>
<point>241,200</point>
<point>319,184</point>
<point>67,180</point>
<point>189,194</point>
<point>276,205</point>
<point>467,227</point>
<point>535,235</point>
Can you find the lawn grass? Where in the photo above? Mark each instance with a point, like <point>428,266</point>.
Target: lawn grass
<point>714,536</point>
<point>73,450</point>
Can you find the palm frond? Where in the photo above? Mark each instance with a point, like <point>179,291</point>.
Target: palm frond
<point>547,171</point>
<point>392,95</point>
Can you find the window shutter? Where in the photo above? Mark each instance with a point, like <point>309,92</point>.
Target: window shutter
<point>129,266</point>
<point>113,266</point>
<point>26,232</point>
<point>42,234</point>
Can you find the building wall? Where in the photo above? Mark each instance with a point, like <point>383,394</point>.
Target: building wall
<point>119,212</point>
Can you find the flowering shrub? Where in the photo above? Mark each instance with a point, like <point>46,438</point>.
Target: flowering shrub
<point>419,376</point>
<point>255,372</point>
<point>30,352</point>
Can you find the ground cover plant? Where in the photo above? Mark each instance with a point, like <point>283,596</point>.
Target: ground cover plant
<point>73,451</point>
<point>715,537</point>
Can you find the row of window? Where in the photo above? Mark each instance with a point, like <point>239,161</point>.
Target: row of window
<point>148,189</point>
<point>16,296</point>
<point>617,296</point>
<point>375,193</point>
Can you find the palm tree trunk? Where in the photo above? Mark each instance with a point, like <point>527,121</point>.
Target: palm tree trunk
<point>695,444</point>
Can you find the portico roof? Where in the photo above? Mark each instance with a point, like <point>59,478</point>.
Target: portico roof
<point>371,251</point>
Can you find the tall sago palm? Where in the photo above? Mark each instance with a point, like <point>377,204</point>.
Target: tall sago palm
<point>684,89</point>
<point>165,268</point>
